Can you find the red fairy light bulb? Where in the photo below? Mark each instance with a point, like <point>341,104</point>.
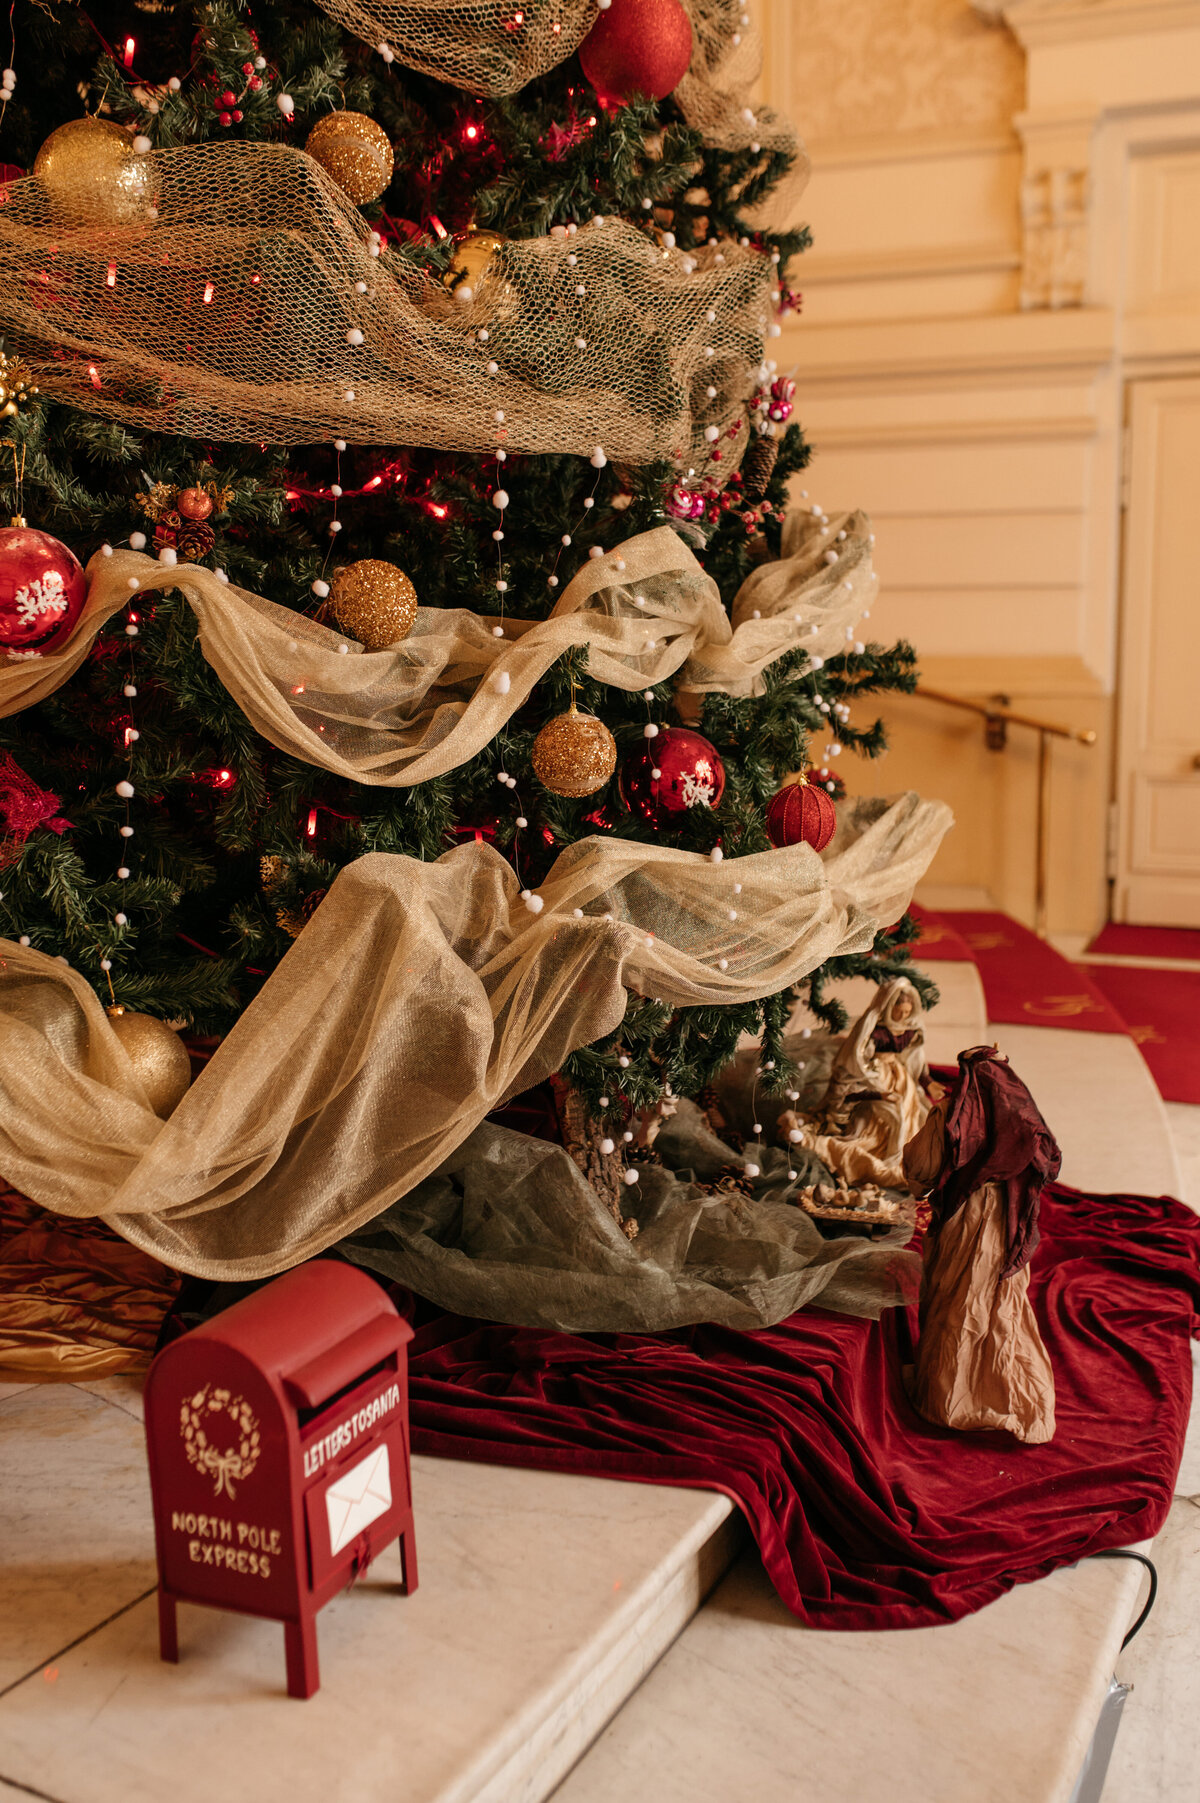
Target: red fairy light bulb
<point>801,813</point>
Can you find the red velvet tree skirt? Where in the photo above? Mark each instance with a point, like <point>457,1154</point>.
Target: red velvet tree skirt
<point>865,1515</point>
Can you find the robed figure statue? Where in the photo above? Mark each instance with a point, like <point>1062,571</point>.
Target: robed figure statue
<point>982,1157</point>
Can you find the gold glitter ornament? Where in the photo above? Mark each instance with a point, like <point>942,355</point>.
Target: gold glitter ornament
<point>93,175</point>
<point>158,1056</point>
<point>373,602</point>
<point>17,387</point>
<point>574,754</point>
<point>472,259</point>
<point>356,152</point>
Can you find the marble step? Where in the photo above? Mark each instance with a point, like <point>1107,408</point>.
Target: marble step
<point>543,1602</point>
<point>1003,1705</point>
<point>749,1704</point>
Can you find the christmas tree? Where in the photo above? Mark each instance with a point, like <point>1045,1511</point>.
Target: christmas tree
<point>403,378</point>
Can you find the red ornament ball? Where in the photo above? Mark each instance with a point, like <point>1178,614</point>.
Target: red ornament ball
<point>675,771</point>
<point>42,591</point>
<point>194,504</point>
<point>801,814</point>
<point>638,47</point>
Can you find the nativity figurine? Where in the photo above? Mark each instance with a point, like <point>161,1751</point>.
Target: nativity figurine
<point>983,1157</point>
<point>878,1094</point>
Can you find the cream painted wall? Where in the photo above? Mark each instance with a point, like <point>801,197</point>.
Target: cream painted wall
<point>1004,220</point>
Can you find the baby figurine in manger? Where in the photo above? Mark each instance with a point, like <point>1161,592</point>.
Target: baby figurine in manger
<point>878,1095</point>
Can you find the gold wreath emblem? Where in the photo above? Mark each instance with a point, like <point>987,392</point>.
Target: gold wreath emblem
<point>198,1415</point>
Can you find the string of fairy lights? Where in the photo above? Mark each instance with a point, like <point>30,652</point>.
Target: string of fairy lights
<point>256,74</point>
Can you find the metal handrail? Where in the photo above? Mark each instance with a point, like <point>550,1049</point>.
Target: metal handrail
<point>997,717</point>
<point>997,710</point>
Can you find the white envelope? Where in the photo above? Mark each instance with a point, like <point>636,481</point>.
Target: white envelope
<point>359,1497</point>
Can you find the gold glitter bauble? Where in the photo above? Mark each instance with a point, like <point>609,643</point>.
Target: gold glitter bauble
<point>17,387</point>
<point>93,175</point>
<point>356,152</point>
<point>373,602</point>
<point>158,1056</point>
<point>574,754</point>
<point>472,259</point>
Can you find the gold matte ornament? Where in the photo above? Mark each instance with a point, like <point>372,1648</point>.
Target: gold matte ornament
<point>356,152</point>
<point>93,175</point>
<point>574,754</point>
<point>158,1056</point>
<point>472,259</point>
<point>373,602</point>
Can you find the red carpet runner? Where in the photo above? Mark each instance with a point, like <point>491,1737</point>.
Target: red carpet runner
<point>1161,1010</point>
<point>1026,981</point>
<point>1147,942</point>
<point>866,1517</point>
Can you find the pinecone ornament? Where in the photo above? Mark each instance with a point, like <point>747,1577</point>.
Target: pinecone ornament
<point>194,540</point>
<point>757,467</point>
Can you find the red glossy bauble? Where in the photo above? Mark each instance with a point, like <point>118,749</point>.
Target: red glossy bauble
<point>638,47</point>
<point>42,590</point>
<point>671,773</point>
<point>801,814</point>
<point>194,504</point>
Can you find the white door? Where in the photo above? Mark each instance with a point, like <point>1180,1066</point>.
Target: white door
<point>1158,683</point>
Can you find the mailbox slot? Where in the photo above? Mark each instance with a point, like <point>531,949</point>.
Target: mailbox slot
<point>342,1365</point>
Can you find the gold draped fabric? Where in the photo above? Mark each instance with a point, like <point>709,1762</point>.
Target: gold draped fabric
<point>76,1301</point>
<point>418,999</point>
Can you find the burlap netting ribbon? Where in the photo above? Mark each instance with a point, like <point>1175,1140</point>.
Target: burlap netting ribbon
<point>645,612</point>
<point>418,998</point>
<point>493,47</point>
<point>229,307</point>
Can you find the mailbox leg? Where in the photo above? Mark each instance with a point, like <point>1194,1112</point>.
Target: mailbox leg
<point>300,1644</point>
<point>168,1634</point>
<point>408,1560</point>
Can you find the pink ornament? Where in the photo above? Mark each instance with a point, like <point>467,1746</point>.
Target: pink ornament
<point>675,771</point>
<point>783,393</point>
<point>42,591</point>
<point>685,503</point>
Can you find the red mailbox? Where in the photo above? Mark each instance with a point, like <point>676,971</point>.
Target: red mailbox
<point>279,1454</point>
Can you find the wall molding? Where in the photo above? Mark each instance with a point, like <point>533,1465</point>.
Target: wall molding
<point>928,145</point>
<point>909,264</point>
<point>1081,340</point>
<point>1038,22</point>
<point>1007,430</point>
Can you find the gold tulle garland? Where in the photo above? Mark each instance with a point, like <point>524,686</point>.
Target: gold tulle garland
<point>645,612</point>
<point>419,997</point>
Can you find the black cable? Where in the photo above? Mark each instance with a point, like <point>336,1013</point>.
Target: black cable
<point>1123,1552</point>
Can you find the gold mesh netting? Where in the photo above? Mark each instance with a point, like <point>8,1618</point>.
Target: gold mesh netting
<point>646,613</point>
<point>473,45</point>
<point>420,997</point>
<point>477,45</point>
<point>225,313</point>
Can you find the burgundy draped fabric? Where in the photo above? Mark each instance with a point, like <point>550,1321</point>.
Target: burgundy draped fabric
<point>995,1134</point>
<point>866,1516</point>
